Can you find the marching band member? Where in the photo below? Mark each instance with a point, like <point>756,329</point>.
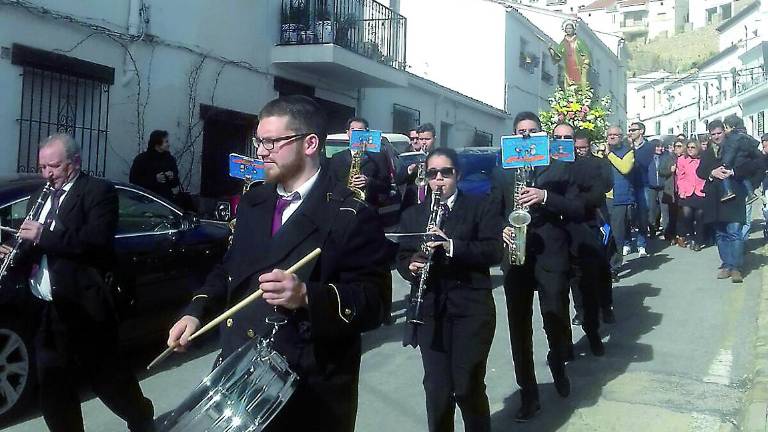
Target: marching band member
<point>459,313</point>
<point>327,304</point>
<point>552,199</point>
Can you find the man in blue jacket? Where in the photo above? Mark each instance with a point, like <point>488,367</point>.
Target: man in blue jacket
<point>643,159</point>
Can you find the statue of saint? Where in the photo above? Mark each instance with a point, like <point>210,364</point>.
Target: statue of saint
<point>576,55</point>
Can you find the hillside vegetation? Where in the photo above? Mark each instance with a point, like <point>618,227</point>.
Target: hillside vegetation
<point>678,53</point>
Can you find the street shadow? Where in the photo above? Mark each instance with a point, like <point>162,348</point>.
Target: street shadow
<point>589,375</point>
<point>638,264</point>
<point>388,333</point>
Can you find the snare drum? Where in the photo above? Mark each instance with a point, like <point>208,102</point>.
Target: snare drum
<point>241,395</point>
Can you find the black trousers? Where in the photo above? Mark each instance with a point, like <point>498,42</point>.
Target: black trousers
<point>454,343</point>
<point>591,278</point>
<point>62,352</point>
<point>519,284</point>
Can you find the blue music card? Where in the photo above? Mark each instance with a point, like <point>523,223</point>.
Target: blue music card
<point>562,150</point>
<point>519,152</point>
<point>246,168</point>
<point>368,140</point>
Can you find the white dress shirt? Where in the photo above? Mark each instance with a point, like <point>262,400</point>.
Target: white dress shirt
<point>40,280</point>
<point>300,193</point>
<point>450,202</point>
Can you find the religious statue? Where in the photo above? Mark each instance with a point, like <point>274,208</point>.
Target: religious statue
<point>576,55</point>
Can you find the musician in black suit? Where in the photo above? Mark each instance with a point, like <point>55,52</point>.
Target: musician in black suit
<point>413,193</point>
<point>459,313</point>
<point>67,255</point>
<point>552,199</point>
<point>374,178</point>
<point>330,301</point>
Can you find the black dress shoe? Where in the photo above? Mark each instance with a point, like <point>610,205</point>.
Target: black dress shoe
<point>577,321</point>
<point>562,383</point>
<point>596,344</point>
<point>615,277</point>
<point>608,316</point>
<point>527,411</point>
<point>389,320</point>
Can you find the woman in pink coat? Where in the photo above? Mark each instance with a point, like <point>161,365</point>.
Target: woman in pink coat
<point>689,190</point>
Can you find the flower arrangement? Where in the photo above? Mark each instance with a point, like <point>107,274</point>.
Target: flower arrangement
<point>575,104</point>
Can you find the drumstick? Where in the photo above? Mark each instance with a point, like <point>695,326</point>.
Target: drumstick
<point>231,311</point>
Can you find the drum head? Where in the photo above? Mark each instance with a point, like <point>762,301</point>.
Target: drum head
<point>241,395</point>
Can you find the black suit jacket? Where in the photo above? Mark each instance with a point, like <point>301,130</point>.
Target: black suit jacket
<point>476,235</point>
<point>345,288</point>
<point>374,165</point>
<point>733,209</point>
<point>547,240</point>
<point>80,253</point>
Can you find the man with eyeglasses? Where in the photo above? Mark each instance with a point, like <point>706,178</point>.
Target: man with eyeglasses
<point>327,304</point>
<point>727,217</point>
<point>643,160</point>
<point>552,199</point>
<point>374,177</point>
<point>591,271</point>
<point>425,139</point>
<point>621,198</point>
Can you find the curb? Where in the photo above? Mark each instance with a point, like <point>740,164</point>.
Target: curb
<point>754,413</point>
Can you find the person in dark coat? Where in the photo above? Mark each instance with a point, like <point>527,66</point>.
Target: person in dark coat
<point>553,199</point>
<point>374,177</point>
<point>728,217</point>
<point>414,194</point>
<point>155,169</point>
<point>68,256</point>
<point>330,301</point>
<point>667,168</point>
<point>591,280</point>
<point>459,312</point>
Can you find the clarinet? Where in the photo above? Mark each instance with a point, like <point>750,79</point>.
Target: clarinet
<point>33,215</point>
<point>435,220</point>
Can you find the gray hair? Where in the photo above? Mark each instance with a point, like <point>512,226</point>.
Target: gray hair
<point>71,149</point>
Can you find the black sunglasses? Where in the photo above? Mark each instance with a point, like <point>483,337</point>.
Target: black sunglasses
<point>634,130</point>
<point>562,137</point>
<point>528,131</point>
<point>446,172</point>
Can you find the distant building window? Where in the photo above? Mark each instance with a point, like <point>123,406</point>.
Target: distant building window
<point>685,128</point>
<point>657,126</point>
<point>482,139</point>
<point>404,118</point>
<point>528,61</point>
<point>693,126</point>
<point>643,99</point>
<point>761,123</point>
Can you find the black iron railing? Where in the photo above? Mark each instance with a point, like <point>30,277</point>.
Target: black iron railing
<point>366,27</point>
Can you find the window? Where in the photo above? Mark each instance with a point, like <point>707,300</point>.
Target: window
<point>643,100</point>
<point>404,119</point>
<point>12,215</point>
<point>693,127</point>
<point>142,214</point>
<point>482,139</point>
<point>62,94</point>
<point>685,128</point>
<point>527,60</point>
<point>761,123</point>
<point>657,127</point>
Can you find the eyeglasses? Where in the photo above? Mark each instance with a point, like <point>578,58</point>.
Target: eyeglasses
<point>527,131</point>
<point>269,143</point>
<point>562,137</point>
<point>634,130</point>
<point>446,172</point>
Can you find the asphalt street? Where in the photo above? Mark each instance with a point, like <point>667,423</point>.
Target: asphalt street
<point>678,359</point>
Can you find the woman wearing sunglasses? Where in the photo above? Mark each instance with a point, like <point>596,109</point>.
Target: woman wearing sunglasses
<point>459,312</point>
<point>690,190</point>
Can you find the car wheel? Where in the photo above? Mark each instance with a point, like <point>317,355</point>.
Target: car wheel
<point>16,371</point>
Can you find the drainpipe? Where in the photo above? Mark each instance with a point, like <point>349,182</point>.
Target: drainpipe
<point>136,27</point>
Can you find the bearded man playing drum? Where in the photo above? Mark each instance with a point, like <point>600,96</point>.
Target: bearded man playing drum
<point>327,304</point>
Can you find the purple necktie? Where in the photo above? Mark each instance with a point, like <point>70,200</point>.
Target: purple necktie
<point>282,204</point>
<point>422,193</point>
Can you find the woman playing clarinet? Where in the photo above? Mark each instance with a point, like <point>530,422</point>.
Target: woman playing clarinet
<point>457,315</point>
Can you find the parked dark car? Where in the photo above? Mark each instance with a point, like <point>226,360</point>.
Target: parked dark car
<point>477,164</point>
<point>163,256</point>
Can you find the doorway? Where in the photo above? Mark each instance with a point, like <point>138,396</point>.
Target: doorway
<point>224,132</point>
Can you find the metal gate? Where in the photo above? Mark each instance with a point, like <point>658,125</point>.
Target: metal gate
<point>53,102</point>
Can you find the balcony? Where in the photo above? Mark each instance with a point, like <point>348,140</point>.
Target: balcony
<point>360,43</point>
<point>634,26</point>
<point>752,86</point>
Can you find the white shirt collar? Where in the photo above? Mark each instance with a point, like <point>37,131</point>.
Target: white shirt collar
<point>68,185</point>
<point>452,200</point>
<point>302,190</point>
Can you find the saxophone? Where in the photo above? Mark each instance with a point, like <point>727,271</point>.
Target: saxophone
<point>519,220</point>
<point>354,170</point>
<point>415,313</point>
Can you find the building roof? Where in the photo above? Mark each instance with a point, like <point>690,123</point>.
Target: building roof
<point>626,3</point>
<point>752,7</point>
<point>598,4</point>
<point>717,57</point>
<point>650,79</point>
